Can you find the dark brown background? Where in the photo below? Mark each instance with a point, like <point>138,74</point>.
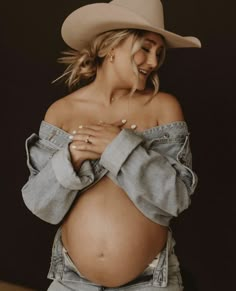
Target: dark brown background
<point>204,82</point>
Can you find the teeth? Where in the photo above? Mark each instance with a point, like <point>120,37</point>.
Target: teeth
<point>142,71</point>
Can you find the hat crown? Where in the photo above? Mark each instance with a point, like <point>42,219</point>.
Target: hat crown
<point>87,22</point>
<point>151,10</point>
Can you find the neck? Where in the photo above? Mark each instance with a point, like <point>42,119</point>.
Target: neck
<point>107,87</point>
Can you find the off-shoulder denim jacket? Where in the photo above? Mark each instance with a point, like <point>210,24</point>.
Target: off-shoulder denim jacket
<point>154,168</point>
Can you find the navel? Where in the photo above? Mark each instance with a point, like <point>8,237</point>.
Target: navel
<point>101,255</point>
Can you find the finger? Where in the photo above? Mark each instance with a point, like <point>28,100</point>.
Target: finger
<point>84,147</point>
<point>88,130</point>
<point>82,138</point>
<point>77,145</point>
<point>118,123</point>
<point>86,155</point>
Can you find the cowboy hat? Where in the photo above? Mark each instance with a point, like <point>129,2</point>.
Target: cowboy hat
<point>82,25</point>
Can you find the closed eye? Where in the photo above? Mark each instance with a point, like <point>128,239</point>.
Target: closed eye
<point>148,50</point>
<point>145,49</point>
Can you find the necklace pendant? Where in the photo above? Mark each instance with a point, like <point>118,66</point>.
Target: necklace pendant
<point>133,126</point>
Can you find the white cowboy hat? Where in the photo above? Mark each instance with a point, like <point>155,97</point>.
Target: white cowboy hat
<point>82,25</point>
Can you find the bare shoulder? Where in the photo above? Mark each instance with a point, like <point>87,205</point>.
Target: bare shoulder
<point>58,111</point>
<point>167,108</point>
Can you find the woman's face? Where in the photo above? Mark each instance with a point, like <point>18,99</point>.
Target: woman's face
<point>146,59</point>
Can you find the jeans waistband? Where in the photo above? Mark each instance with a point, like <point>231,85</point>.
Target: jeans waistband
<point>158,267</point>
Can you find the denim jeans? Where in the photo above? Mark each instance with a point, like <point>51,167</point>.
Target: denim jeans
<point>163,273</point>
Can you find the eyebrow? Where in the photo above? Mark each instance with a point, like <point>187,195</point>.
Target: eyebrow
<point>153,42</point>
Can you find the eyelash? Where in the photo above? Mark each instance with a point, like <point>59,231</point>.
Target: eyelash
<point>147,50</point>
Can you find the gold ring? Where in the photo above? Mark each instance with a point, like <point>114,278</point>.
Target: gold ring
<point>87,139</point>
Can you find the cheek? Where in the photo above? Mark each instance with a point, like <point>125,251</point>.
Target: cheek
<point>123,67</point>
<point>139,57</point>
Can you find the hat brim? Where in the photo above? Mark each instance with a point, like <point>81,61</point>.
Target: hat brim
<point>85,23</point>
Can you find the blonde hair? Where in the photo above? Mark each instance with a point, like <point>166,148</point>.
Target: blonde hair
<point>82,65</point>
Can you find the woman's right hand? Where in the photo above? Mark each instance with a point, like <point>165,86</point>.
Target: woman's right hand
<point>80,143</point>
<point>78,156</point>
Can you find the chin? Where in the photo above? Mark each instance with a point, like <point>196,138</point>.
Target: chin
<point>141,87</point>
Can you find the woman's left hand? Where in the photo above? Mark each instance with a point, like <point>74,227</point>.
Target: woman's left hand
<point>95,138</point>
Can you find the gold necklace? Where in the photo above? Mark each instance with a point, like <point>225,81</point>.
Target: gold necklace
<point>132,126</point>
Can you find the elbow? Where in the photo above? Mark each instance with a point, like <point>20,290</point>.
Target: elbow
<point>39,208</point>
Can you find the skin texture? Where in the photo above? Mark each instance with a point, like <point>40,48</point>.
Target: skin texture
<point>109,240</point>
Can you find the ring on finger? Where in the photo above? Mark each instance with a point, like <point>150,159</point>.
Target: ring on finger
<point>87,139</point>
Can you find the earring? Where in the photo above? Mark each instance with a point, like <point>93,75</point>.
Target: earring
<point>111,58</point>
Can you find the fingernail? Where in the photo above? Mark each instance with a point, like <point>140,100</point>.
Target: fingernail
<point>123,121</point>
<point>80,126</point>
<point>71,137</point>
<point>73,147</point>
<point>74,132</point>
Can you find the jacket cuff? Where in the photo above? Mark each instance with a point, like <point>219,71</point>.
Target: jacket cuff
<point>116,153</point>
<point>66,174</point>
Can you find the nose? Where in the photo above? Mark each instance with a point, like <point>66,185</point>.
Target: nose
<point>152,61</point>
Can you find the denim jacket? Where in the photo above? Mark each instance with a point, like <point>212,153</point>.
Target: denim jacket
<point>154,168</point>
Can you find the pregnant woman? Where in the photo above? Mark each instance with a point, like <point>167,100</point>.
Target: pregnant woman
<point>111,163</point>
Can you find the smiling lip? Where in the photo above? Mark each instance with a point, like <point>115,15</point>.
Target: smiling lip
<point>145,76</point>
<point>147,72</point>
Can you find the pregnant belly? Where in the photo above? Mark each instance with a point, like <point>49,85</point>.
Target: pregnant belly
<point>108,239</point>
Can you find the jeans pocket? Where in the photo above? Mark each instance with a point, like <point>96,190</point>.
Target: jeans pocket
<point>70,270</point>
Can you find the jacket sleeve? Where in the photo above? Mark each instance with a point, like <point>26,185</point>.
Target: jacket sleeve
<point>157,176</point>
<point>53,183</point>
